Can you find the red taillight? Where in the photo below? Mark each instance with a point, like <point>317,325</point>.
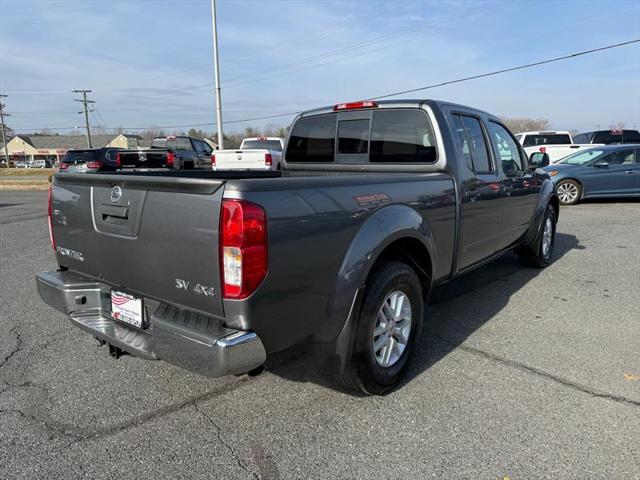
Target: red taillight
<point>94,165</point>
<point>268,159</point>
<point>543,149</point>
<point>64,166</point>
<point>118,161</point>
<point>213,159</point>
<point>171,159</point>
<point>50,216</point>
<point>355,105</point>
<point>243,248</point>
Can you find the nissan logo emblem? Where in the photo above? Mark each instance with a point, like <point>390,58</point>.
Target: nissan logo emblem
<point>116,193</point>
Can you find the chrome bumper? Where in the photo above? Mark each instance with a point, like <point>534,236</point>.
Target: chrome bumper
<point>195,342</point>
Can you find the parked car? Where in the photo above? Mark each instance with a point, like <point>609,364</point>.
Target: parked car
<point>556,145</point>
<point>255,153</point>
<point>379,202</point>
<point>606,171</point>
<point>608,137</point>
<point>173,152</point>
<point>40,164</point>
<point>21,164</point>
<point>88,160</point>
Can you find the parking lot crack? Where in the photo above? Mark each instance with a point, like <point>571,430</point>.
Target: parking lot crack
<point>221,439</point>
<point>53,430</point>
<point>15,349</point>
<point>538,372</point>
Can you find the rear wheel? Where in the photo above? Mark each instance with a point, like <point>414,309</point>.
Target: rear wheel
<point>388,329</point>
<point>539,254</point>
<point>569,192</point>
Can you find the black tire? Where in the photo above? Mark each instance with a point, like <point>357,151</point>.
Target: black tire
<point>364,373</point>
<point>571,186</point>
<point>535,255</point>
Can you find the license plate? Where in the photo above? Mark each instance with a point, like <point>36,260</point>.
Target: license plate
<point>127,308</point>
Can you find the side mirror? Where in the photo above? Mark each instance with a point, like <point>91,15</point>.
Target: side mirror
<point>538,160</point>
<point>601,164</point>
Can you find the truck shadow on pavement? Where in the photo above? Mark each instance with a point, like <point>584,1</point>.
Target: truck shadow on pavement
<point>447,322</point>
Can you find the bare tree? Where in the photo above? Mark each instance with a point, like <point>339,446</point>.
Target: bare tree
<point>524,124</point>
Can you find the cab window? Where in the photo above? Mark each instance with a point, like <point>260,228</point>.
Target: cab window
<point>506,148</point>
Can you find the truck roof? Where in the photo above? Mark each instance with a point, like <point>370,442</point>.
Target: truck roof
<point>261,138</point>
<point>545,132</point>
<point>416,103</point>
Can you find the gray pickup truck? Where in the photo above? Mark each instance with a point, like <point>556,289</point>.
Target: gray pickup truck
<point>377,204</point>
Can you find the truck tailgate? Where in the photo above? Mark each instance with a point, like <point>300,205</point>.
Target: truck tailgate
<point>156,237</point>
<point>240,159</point>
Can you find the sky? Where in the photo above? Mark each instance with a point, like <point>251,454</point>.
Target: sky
<point>149,63</point>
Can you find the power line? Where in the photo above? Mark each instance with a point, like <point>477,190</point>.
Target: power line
<point>403,92</point>
<point>505,70</point>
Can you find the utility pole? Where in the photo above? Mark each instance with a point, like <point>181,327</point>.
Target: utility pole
<point>216,66</point>
<point>85,102</point>
<point>4,136</point>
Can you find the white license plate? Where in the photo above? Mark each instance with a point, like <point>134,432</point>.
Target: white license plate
<point>127,308</point>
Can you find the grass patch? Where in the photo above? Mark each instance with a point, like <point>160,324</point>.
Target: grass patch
<point>25,172</point>
<point>24,185</point>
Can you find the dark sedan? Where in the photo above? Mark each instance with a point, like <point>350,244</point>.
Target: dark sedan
<point>607,171</point>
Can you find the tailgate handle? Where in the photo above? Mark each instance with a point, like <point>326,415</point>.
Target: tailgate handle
<point>114,211</point>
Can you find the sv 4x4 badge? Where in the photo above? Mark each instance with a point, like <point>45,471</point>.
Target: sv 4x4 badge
<point>198,288</point>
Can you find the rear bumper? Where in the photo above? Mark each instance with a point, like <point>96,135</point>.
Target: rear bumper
<point>192,341</point>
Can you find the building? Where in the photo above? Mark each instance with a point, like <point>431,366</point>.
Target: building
<point>28,148</point>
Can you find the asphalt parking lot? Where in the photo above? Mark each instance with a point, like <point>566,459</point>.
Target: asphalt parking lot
<point>521,374</point>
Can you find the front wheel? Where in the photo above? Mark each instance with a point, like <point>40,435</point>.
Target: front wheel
<point>539,254</point>
<point>388,329</point>
<point>569,192</point>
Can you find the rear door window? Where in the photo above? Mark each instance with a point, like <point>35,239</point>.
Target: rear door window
<point>402,136</point>
<point>473,144</point>
<point>312,140</point>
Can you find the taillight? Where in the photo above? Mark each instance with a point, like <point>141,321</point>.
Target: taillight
<point>50,217</point>
<point>64,166</point>
<point>118,161</point>
<point>268,160</point>
<point>94,165</point>
<point>355,105</point>
<point>243,248</point>
<point>213,159</point>
<point>171,159</point>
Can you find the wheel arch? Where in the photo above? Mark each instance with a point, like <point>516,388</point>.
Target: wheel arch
<point>395,232</point>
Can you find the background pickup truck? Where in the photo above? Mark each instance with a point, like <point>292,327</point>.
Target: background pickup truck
<point>175,152</point>
<point>557,145</point>
<point>378,203</point>
<point>255,153</point>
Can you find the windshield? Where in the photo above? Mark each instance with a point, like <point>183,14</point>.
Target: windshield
<point>80,156</point>
<point>262,144</point>
<point>581,158</point>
